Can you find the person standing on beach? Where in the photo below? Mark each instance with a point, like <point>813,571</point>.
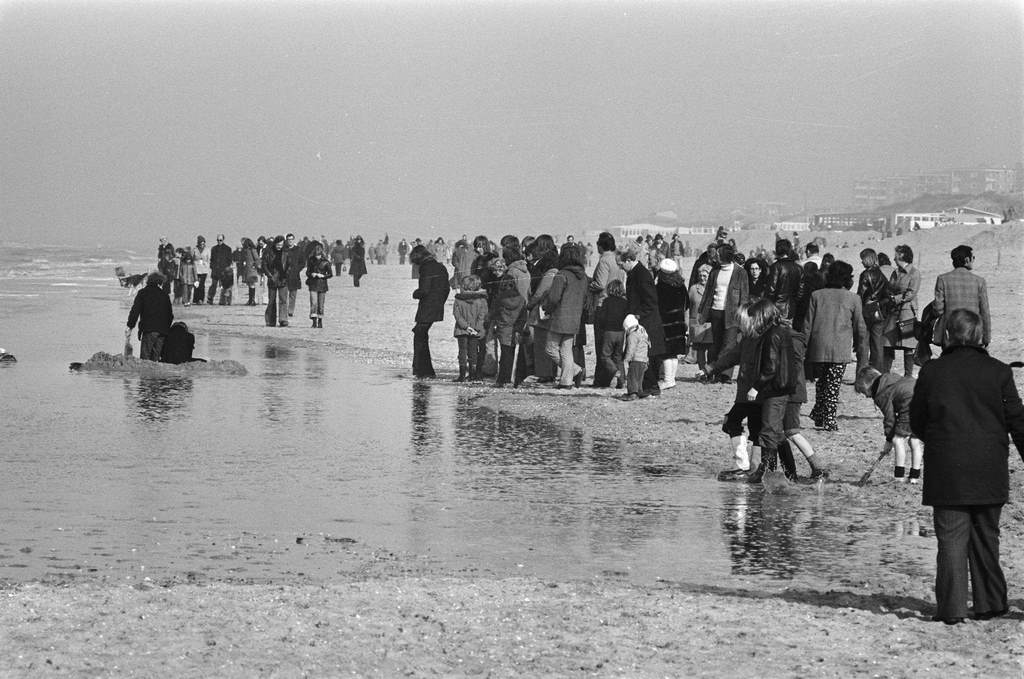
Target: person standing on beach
<point>605,271</point>
<point>274,264</point>
<point>873,290</point>
<point>357,260</point>
<point>221,262</point>
<point>961,289</point>
<point>152,311</point>
<point>726,291</point>
<point>964,405</point>
<point>318,270</point>
<point>784,279</point>
<point>202,260</point>
<point>642,302</point>
<point>295,261</point>
<point>432,293</point>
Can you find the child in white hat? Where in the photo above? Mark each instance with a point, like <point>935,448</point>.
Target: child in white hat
<point>634,357</point>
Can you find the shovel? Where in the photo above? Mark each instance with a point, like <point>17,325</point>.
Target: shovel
<point>867,474</point>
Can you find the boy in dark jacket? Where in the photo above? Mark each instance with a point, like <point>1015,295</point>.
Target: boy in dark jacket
<point>893,394</point>
<point>608,320</point>
<point>152,311</point>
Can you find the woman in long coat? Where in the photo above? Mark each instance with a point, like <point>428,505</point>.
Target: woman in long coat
<point>564,306</point>
<point>673,300</point>
<point>642,302</point>
<point>836,330</point>
<point>357,265</point>
<point>432,293</point>
<point>903,288</point>
<point>965,403</point>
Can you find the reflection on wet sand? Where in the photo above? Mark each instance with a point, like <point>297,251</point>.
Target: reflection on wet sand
<point>157,399</point>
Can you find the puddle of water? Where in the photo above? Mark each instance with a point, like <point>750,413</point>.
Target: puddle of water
<point>280,472</point>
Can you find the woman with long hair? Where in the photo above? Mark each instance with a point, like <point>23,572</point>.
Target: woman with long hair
<point>899,328</point>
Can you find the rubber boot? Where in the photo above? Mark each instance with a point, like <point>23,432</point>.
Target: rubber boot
<point>738,448</point>
<point>463,372</point>
<point>788,463</point>
<point>252,297</point>
<point>314,322</point>
<point>320,322</point>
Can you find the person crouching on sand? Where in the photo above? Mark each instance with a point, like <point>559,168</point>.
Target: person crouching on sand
<point>892,394</point>
<point>634,358</point>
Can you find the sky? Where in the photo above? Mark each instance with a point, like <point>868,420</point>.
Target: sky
<point>123,122</point>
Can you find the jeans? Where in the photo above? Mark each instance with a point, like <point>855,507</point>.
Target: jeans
<point>200,292</point>
<point>469,347</point>
<point>558,348</point>
<point>292,296</point>
<point>316,303</point>
<point>876,345</point>
<point>612,344</point>
<point>543,367</point>
<point>277,305</point>
<point>635,377</point>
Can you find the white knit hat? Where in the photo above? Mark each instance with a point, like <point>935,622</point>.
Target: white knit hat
<point>668,265</point>
<point>629,322</point>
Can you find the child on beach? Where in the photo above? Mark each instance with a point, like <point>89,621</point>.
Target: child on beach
<point>764,385</point>
<point>791,420</point>
<point>892,395</point>
<point>608,319</point>
<point>634,358</point>
<point>470,311</point>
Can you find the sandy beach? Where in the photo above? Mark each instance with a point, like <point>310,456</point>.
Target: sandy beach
<point>388,614</point>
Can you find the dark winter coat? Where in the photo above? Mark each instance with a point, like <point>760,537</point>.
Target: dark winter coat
<point>320,266</point>
<point>295,261</point>
<point>611,313</point>
<point>784,285</point>
<point>565,298</point>
<point>673,300</point>
<point>357,257</point>
<point>508,310</point>
<point>274,264</point>
<point>432,292</point>
<point>178,345</point>
<point>221,258</point>
<point>965,403</point>
<point>642,302</point>
<point>152,310</point>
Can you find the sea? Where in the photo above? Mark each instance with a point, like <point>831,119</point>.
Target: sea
<point>114,477</point>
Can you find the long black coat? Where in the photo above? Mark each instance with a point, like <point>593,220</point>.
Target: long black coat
<point>965,402</point>
<point>673,300</point>
<point>432,292</point>
<point>642,302</point>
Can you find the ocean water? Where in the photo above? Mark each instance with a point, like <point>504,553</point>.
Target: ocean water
<point>267,476</point>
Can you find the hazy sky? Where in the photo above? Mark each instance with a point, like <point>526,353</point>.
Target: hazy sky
<point>124,121</point>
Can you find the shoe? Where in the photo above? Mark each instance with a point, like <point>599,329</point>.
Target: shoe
<point>948,621</point>
<point>628,397</point>
<point>545,380</point>
<point>991,614</point>
<point>914,476</point>
<point>314,322</point>
<point>723,379</point>
<point>757,475</point>
<point>817,475</point>
<point>666,385</point>
<point>734,475</point>
<point>563,386</point>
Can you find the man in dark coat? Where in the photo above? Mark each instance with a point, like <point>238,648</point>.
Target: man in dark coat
<point>642,302</point>
<point>221,264</point>
<point>432,293</point>
<point>727,289</point>
<point>152,311</point>
<point>964,404</point>
<point>784,279</point>
<point>295,262</point>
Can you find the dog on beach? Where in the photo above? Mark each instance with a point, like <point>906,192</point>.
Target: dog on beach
<point>132,282</point>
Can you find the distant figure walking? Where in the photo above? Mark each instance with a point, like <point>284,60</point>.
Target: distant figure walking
<point>152,311</point>
<point>357,260</point>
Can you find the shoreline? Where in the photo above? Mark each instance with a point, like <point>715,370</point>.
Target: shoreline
<point>390,614</point>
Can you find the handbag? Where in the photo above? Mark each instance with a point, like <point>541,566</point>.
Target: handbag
<point>907,328</point>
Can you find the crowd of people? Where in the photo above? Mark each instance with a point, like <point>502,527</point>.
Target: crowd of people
<point>772,323</point>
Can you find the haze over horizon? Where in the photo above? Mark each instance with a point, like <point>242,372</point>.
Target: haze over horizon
<point>123,122</point>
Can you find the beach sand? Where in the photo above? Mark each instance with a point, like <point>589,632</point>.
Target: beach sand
<point>389,615</point>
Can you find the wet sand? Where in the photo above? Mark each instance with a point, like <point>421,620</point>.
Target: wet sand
<point>387,614</point>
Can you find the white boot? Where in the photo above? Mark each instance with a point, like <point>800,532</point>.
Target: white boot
<point>738,447</point>
<point>669,367</point>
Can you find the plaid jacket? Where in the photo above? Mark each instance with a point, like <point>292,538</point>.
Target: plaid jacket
<point>961,289</point>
